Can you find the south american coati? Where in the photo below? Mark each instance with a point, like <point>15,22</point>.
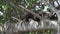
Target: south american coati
<point>30,16</point>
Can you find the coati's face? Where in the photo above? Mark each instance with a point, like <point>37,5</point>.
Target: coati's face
<point>54,17</point>
<point>50,16</point>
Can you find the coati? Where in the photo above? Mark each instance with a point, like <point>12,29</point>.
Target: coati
<point>30,16</point>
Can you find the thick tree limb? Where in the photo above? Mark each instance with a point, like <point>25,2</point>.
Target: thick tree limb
<point>21,27</point>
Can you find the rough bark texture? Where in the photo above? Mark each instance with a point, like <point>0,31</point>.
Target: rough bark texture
<point>22,26</point>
